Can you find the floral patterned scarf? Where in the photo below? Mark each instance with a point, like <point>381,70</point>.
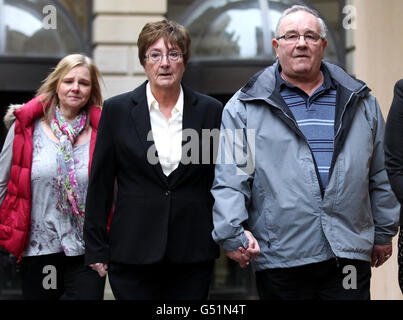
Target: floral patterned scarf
<point>69,197</point>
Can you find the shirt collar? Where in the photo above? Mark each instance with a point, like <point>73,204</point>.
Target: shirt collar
<point>153,103</point>
<point>328,83</point>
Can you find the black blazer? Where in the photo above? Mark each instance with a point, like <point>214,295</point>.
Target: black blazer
<point>394,144</point>
<point>155,217</point>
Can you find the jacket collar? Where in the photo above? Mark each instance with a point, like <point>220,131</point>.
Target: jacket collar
<point>262,86</point>
<point>139,95</point>
<point>328,83</point>
<point>140,110</point>
<point>30,111</point>
<point>95,116</point>
<point>34,109</point>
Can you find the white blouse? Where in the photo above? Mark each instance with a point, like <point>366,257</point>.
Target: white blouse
<point>167,134</point>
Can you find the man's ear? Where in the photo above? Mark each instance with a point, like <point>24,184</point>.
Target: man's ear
<point>274,43</point>
<point>324,45</point>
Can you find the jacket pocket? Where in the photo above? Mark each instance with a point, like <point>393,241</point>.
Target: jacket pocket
<point>270,225</point>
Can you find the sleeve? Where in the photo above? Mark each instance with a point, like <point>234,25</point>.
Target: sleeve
<point>393,142</point>
<point>214,146</point>
<point>233,178</point>
<point>385,207</point>
<point>6,157</point>
<point>100,191</point>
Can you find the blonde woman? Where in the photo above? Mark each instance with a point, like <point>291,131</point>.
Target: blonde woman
<point>44,170</point>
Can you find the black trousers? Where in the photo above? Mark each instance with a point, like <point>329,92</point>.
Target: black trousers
<point>341,279</point>
<point>161,281</point>
<point>57,276</point>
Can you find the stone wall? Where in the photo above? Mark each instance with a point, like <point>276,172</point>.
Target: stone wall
<point>116,27</point>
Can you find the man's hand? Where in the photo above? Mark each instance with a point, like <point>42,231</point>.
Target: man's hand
<point>380,253</point>
<point>101,268</point>
<point>242,255</point>
<point>253,248</point>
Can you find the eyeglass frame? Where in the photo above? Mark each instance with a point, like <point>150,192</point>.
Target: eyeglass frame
<point>299,36</point>
<point>162,55</point>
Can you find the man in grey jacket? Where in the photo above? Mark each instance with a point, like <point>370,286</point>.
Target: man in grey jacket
<point>316,202</point>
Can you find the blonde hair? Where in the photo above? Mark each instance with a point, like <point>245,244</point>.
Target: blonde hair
<point>49,87</point>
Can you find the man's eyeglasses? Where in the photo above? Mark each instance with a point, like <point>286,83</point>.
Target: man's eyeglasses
<point>156,56</point>
<point>293,37</point>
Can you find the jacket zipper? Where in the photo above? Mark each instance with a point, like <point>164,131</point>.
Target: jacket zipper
<point>344,109</point>
<point>306,141</point>
<point>338,131</point>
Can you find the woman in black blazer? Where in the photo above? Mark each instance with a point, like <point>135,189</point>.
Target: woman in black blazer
<point>159,244</point>
<point>394,160</point>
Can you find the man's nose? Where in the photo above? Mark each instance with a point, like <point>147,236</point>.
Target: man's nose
<point>301,40</point>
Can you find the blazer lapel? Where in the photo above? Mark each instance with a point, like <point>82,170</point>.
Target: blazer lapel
<point>141,118</point>
<point>191,121</point>
<point>191,118</point>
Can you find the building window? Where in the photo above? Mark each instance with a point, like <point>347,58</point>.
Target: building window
<point>238,29</point>
<point>38,28</point>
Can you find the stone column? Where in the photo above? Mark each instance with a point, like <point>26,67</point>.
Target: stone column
<point>116,27</point>
<point>378,62</point>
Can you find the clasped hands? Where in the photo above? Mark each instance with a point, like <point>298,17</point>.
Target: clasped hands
<point>244,255</point>
<point>380,253</point>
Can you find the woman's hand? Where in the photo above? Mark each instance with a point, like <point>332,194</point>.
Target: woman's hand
<point>253,247</point>
<point>242,255</point>
<point>101,268</point>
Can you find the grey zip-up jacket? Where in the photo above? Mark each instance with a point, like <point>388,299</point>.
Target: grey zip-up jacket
<point>273,189</point>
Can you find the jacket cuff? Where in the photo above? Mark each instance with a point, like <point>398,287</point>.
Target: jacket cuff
<point>101,257</point>
<point>234,243</point>
<point>382,240</point>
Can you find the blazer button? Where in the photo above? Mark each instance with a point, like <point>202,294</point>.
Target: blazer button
<point>167,193</point>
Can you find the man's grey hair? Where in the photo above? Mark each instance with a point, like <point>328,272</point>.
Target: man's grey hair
<point>295,8</point>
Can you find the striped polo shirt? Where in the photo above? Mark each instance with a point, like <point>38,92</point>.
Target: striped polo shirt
<point>315,116</point>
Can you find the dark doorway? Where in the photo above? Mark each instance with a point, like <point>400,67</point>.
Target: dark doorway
<point>7,98</point>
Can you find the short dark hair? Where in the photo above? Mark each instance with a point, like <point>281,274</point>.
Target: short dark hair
<point>170,31</point>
